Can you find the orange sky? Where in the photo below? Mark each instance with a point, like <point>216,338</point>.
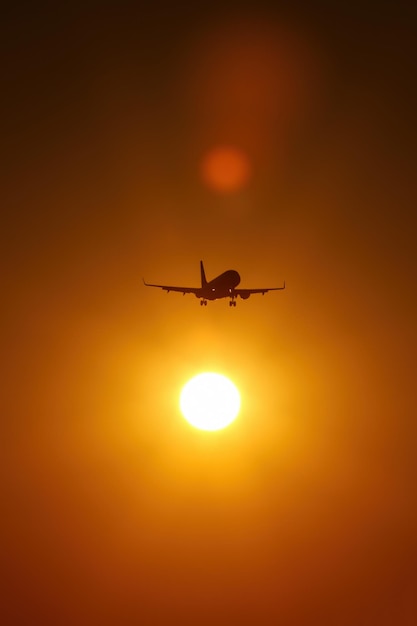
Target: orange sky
<point>115,511</point>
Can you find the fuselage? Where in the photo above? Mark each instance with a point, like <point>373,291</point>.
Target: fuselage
<point>220,287</point>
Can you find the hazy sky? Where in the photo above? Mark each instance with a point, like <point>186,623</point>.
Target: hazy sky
<point>115,510</point>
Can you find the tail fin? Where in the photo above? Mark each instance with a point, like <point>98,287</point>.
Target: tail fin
<point>203,275</point>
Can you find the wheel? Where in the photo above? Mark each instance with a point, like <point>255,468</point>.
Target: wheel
<point>201,302</point>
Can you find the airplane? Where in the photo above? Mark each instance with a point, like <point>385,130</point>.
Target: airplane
<point>223,286</point>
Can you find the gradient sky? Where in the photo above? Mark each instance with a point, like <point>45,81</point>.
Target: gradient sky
<point>115,510</point>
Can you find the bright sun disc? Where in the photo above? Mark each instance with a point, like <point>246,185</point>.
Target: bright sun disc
<point>209,401</point>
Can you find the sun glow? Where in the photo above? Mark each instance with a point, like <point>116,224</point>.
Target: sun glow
<point>226,169</point>
<point>209,401</point>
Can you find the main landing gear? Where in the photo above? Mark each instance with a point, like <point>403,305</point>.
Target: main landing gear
<point>232,303</point>
<point>203,302</point>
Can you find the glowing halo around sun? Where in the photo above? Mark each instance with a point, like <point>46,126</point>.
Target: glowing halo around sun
<point>226,169</point>
<point>209,401</point>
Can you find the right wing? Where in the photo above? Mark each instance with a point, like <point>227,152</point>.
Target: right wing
<point>247,292</point>
<point>169,288</point>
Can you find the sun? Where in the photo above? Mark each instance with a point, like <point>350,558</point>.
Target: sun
<point>226,169</point>
<point>209,401</point>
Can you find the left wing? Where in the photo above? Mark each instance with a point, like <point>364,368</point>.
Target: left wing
<point>169,288</point>
<point>245,293</point>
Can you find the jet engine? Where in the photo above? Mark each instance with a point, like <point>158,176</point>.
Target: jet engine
<point>244,296</point>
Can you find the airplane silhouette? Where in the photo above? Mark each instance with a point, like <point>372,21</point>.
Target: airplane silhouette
<point>223,286</point>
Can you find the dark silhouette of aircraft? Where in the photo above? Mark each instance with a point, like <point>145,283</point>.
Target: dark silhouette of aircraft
<point>223,286</point>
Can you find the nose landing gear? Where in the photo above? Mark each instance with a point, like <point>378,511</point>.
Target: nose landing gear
<point>203,302</point>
